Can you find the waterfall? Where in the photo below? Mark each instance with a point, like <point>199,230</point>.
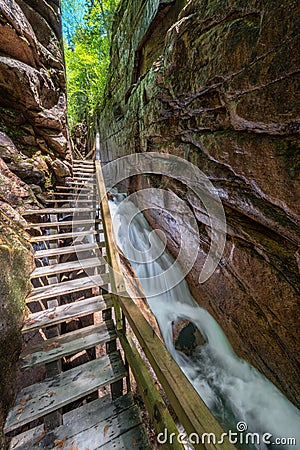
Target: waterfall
<point>232,389</point>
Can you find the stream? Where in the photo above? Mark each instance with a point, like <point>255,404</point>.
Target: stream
<point>232,389</point>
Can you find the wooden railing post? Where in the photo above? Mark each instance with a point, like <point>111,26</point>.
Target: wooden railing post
<point>116,279</point>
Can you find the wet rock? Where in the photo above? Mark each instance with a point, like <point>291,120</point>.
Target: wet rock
<point>186,336</point>
<point>218,88</point>
<point>16,263</point>
<point>61,169</point>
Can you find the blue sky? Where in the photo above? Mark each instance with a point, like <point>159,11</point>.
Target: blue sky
<point>72,15</point>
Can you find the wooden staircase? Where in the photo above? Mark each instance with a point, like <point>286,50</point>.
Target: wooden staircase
<point>70,409</point>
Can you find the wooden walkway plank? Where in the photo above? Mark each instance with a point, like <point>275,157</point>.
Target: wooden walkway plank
<point>68,188</point>
<point>67,344</point>
<point>71,266</point>
<point>102,433</point>
<point>42,398</point>
<point>58,211</point>
<point>99,424</point>
<point>99,409</point>
<point>66,194</point>
<point>84,177</point>
<point>27,438</point>
<point>63,223</point>
<point>66,250</point>
<point>72,235</point>
<point>83,171</point>
<point>66,312</point>
<point>77,200</point>
<point>67,287</point>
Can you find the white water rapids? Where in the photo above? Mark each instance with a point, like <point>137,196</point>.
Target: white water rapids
<point>232,389</point>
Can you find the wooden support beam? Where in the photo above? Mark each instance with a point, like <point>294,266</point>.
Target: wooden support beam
<point>160,416</point>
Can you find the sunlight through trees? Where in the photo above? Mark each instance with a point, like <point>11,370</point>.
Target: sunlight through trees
<point>87,33</point>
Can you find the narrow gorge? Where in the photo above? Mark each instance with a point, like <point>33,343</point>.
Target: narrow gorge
<point>214,83</point>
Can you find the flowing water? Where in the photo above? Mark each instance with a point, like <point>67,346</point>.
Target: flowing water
<point>232,389</point>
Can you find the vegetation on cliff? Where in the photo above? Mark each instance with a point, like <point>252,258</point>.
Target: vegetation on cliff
<point>87,26</point>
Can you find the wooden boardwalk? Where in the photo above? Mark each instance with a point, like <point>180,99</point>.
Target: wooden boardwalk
<point>79,307</point>
<point>83,405</point>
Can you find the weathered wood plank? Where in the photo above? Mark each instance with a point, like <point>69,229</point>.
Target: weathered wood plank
<point>84,177</point>
<point>65,194</point>
<point>66,312</point>
<point>67,344</point>
<point>66,287</point>
<point>99,429</point>
<point>63,223</point>
<point>65,250</point>
<point>84,413</point>
<point>83,171</point>
<point>134,438</point>
<point>54,237</point>
<point>75,201</point>
<point>57,211</point>
<point>26,438</point>
<point>67,267</point>
<point>42,398</point>
<point>70,188</point>
<point>83,161</point>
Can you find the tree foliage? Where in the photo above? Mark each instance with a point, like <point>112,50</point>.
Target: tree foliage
<point>87,33</point>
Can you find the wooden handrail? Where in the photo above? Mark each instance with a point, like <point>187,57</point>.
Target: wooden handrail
<point>117,280</point>
<point>190,409</point>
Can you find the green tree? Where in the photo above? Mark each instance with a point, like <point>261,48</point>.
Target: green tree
<point>87,26</point>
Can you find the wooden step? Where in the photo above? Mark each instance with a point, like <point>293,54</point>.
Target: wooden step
<point>73,235</point>
<point>67,344</point>
<point>83,170</point>
<point>42,398</point>
<point>66,194</point>
<point>83,176</point>
<point>71,188</point>
<point>83,161</point>
<point>47,253</point>
<point>67,287</point>
<point>101,424</point>
<point>82,184</point>
<point>71,266</point>
<point>62,313</point>
<point>63,223</point>
<point>72,200</point>
<point>58,211</point>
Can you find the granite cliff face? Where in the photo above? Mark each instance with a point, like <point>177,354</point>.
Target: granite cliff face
<point>32,89</point>
<point>34,151</point>
<point>215,82</point>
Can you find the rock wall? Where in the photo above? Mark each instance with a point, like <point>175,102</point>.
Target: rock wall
<point>35,151</point>
<point>32,89</point>
<point>218,88</point>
